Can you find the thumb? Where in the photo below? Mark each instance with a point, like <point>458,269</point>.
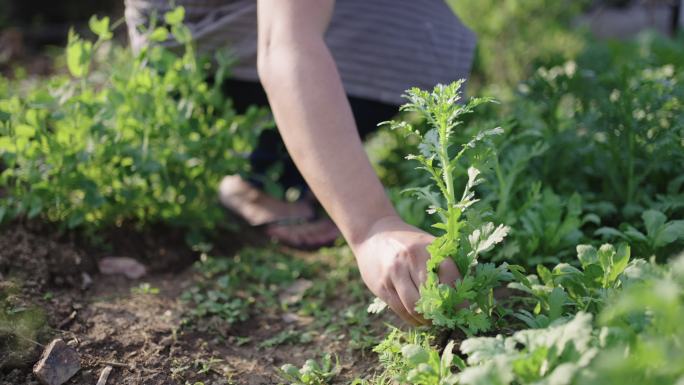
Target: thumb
<point>448,272</point>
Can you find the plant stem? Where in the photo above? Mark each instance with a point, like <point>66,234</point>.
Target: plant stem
<point>446,174</point>
<point>504,188</point>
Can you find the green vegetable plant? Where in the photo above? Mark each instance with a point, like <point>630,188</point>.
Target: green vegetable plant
<point>467,303</point>
<point>545,227</point>
<point>592,146</point>
<point>427,367</point>
<point>312,372</point>
<point>614,136</point>
<point>411,354</point>
<point>634,339</point>
<point>659,233</point>
<point>642,332</point>
<point>566,289</point>
<point>552,355</point>
<point>123,138</point>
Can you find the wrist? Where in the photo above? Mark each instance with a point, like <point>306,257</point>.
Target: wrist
<point>379,224</point>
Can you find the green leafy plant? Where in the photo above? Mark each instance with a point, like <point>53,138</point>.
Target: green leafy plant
<point>145,289</point>
<point>427,367</point>
<point>615,136</point>
<point>566,289</point>
<point>137,138</point>
<point>545,228</point>
<point>228,289</point>
<point>659,233</point>
<point>553,355</point>
<point>636,339</point>
<point>462,240</point>
<point>391,355</point>
<point>642,332</point>
<point>312,373</point>
<point>514,37</point>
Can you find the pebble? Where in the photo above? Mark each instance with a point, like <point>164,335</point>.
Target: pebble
<point>58,363</point>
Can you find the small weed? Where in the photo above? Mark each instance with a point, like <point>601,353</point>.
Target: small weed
<point>229,288</point>
<point>288,336</point>
<point>145,289</point>
<point>312,373</point>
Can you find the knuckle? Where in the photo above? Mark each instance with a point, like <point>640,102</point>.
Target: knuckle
<point>396,265</point>
<point>415,250</point>
<point>385,291</point>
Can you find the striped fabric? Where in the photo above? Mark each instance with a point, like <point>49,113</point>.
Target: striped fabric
<point>381,47</point>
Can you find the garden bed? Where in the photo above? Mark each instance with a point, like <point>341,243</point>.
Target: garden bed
<point>146,331</point>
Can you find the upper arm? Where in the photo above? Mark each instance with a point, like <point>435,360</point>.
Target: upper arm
<point>291,22</point>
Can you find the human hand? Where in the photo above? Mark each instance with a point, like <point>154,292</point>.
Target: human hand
<point>392,260</point>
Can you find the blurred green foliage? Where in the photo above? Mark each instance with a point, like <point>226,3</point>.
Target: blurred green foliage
<point>123,138</point>
<point>516,35</point>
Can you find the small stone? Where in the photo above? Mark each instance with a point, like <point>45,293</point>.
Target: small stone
<point>86,281</point>
<point>295,292</point>
<point>126,266</point>
<point>166,341</point>
<point>58,363</point>
<point>290,318</point>
<point>104,375</point>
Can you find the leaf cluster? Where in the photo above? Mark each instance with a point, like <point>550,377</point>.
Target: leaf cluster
<point>128,137</point>
<point>567,289</point>
<point>467,303</point>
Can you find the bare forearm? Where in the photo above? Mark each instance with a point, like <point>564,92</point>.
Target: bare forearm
<point>314,118</point>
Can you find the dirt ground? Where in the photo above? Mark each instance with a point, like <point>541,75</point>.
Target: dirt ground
<point>146,337</point>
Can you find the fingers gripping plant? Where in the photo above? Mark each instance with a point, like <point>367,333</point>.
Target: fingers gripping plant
<point>468,303</point>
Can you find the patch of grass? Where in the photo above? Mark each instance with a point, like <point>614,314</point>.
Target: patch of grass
<point>229,289</point>
<point>288,336</point>
<point>22,326</point>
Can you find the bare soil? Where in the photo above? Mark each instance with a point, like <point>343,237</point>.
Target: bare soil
<point>144,337</point>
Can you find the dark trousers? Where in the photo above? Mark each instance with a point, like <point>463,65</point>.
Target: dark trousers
<point>270,148</point>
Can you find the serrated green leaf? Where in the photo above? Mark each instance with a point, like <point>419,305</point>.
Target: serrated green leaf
<point>377,306</point>
<point>482,349</point>
<point>486,237</point>
<point>447,360</point>
<point>605,256</point>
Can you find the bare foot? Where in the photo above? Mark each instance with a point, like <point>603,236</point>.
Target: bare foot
<point>257,207</point>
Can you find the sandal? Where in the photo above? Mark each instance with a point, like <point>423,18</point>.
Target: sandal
<point>308,235</point>
<point>302,229</point>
